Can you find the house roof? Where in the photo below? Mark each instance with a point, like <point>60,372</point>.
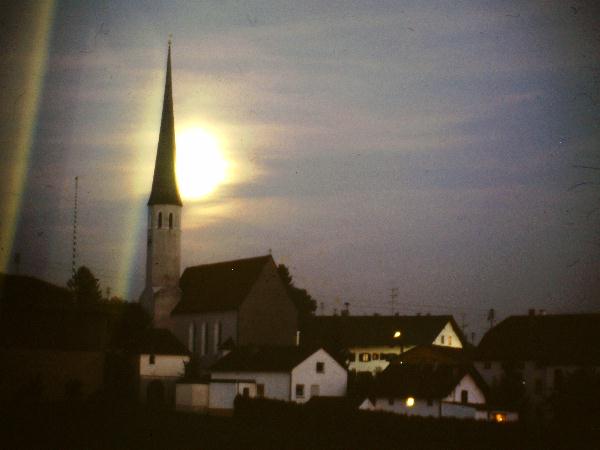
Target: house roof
<point>353,331</point>
<point>421,381</point>
<point>218,287</point>
<point>158,341</point>
<point>435,354</point>
<point>22,291</point>
<point>261,359</point>
<point>561,338</point>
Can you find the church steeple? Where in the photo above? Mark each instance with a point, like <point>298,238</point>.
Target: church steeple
<point>164,184</point>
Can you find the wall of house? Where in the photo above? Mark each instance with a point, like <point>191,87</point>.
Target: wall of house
<point>221,395</point>
<point>268,316</point>
<point>376,363</point>
<point>475,395</point>
<point>205,349</point>
<point>164,365</point>
<point>276,384</point>
<point>458,410</point>
<point>191,397</point>
<point>398,406</point>
<point>490,371</point>
<point>333,381</point>
<point>448,337</point>
<point>45,374</point>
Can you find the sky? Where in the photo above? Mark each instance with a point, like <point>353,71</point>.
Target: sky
<point>447,150</point>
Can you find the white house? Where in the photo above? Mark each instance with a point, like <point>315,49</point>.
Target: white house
<point>427,391</point>
<point>160,360</point>
<point>371,342</point>
<point>279,373</point>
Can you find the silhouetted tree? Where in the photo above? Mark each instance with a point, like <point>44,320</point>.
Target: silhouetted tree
<point>305,304</point>
<point>85,287</point>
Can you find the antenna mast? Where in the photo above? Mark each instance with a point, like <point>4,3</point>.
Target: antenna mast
<point>74,260</point>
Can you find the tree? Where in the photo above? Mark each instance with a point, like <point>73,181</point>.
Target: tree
<point>85,287</point>
<point>305,304</point>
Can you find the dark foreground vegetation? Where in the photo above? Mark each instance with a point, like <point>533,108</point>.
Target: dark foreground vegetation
<point>267,425</point>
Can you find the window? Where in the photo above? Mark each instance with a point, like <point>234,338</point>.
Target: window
<point>159,220</point>
<point>216,337</point>
<point>464,396</point>
<point>449,340</point>
<point>442,337</point>
<point>375,356</point>
<point>246,392</point>
<point>152,359</point>
<point>320,367</point>
<point>203,339</point>
<point>171,221</point>
<point>260,390</point>
<point>351,357</point>
<point>192,337</point>
<point>365,357</point>
<point>299,391</point>
<point>314,390</point>
<point>487,365</point>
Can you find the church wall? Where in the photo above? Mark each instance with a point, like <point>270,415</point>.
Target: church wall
<point>268,316</point>
<point>203,344</point>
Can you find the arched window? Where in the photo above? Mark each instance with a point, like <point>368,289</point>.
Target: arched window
<point>192,337</point>
<point>159,220</point>
<point>171,221</point>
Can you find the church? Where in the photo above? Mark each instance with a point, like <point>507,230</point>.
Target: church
<point>210,308</point>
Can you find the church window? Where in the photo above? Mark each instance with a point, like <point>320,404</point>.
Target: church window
<point>159,220</point>
<point>204,339</point>
<point>170,221</point>
<point>192,337</point>
<point>217,336</point>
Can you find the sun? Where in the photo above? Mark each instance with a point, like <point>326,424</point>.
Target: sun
<point>200,164</point>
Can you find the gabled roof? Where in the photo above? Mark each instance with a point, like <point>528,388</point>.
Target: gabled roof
<point>561,338</point>
<point>22,291</point>
<point>350,331</point>
<point>435,354</point>
<point>219,287</point>
<point>421,381</point>
<point>261,359</point>
<point>157,341</point>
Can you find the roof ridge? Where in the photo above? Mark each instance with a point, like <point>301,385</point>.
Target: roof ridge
<point>229,262</point>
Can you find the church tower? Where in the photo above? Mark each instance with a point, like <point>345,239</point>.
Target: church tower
<point>163,248</point>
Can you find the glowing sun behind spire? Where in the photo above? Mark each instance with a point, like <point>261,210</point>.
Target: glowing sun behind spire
<point>200,165</point>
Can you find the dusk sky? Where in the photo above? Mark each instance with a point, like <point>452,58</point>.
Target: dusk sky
<point>447,149</point>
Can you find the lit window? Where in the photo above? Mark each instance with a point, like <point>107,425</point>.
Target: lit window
<point>498,417</point>
<point>365,357</point>
<point>320,367</point>
<point>171,221</point>
<point>260,390</point>
<point>159,220</point>
<point>410,402</point>
<point>449,340</point>
<point>299,391</point>
<point>152,359</point>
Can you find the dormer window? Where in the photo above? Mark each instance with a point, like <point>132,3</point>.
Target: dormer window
<point>170,221</point>
<point>159,220</point>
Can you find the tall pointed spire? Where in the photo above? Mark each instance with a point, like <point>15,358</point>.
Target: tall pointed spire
<point>164,184</point>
